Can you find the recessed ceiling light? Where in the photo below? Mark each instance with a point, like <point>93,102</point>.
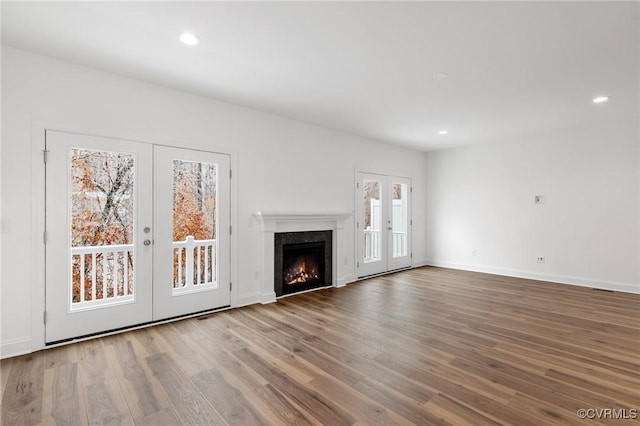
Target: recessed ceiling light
<point>440,76</point>
<point>443,132</point>
<point>600,99</point>
<point>189,39</point>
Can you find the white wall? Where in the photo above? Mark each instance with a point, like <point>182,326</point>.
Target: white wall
<point>470,199</point>
<point>482,199</point>
<point>282,165</point>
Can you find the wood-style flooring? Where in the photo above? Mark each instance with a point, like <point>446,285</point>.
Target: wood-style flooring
<point>428,346</point>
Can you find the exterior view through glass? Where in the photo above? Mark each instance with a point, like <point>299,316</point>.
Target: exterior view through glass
<point>194,226</point>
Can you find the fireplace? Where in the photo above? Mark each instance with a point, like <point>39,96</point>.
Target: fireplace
<point>302,261</point>
<point>274,224</point>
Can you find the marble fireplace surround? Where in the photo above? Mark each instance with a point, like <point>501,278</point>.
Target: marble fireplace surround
<point>271,223</point>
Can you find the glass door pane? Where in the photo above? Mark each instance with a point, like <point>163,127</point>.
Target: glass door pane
<point>372,220</point>
<point>194,225</point>
<point>399,219</point>
<point>102,201</point>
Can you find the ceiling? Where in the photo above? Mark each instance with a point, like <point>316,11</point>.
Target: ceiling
<point>514,69</point>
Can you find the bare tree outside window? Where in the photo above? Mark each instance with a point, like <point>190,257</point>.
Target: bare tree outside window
<point>371,191</point>
<point>194,215</point>
<point>397,191</point>
<point>102,214</point>
<point>194,200</point>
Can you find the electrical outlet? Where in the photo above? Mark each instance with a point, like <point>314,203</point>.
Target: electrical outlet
<point>540,259</point>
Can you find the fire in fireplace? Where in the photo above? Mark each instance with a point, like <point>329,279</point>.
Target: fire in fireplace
<point>302,268</point>
<point>302,261</point>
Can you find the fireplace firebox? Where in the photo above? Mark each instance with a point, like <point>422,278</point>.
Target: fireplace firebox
<point>302,261</point>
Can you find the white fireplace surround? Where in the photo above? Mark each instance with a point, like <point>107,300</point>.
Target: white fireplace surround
<point>271,223</point>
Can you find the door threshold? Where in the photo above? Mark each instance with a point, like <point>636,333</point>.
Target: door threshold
<point>111,332</point>
<point>393,271</point>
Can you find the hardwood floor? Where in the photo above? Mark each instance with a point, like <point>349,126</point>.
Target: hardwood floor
<point>428,346</point>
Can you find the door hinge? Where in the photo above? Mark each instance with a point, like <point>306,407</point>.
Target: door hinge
<point>358,185</point>
<point>357,225</point>
<point>44,237</point>
<point>230,174</point>
<point>44,317</point>
<point>358,263</point>
<point>230,230</point>
<point>411,189</point>
<point>45,155</point>
<point>412,255</point>
<point>411,222</point>
<point>230,286</point>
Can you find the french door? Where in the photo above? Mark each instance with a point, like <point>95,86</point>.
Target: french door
<point>191,272</point>
<point>383,223</point>
<point>134,233</point>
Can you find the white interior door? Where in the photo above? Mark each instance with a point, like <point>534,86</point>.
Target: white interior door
<point>384,223</point>
<point>192,235</point>
<point>98,269</point>
<point>134,233</point>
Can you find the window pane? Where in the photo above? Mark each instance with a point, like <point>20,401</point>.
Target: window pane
<point>194,225</point>
<point>372,220</point>
<point>399,219</point>
<point>102,227</point>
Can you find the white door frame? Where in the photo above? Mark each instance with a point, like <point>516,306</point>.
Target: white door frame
<point>387,263</point>
<point>36,341</point>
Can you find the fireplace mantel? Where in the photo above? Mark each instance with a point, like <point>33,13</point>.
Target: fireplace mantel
<point>272,222</point>
<point>274,219</point>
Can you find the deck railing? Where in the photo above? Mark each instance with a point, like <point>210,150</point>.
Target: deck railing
<point>399,244</point>
<point>104,274</point>
<point>193,264</point>
<point>101,275</point>
<point>372,244</point>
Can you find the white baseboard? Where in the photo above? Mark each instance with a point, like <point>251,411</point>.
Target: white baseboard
<point>555,278</point>
<point>419,263</point>
<point>267,298</point>
<point>16,347</point>
<point>247,300</point>
<point>252,299</point>
<point>343,281</point>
